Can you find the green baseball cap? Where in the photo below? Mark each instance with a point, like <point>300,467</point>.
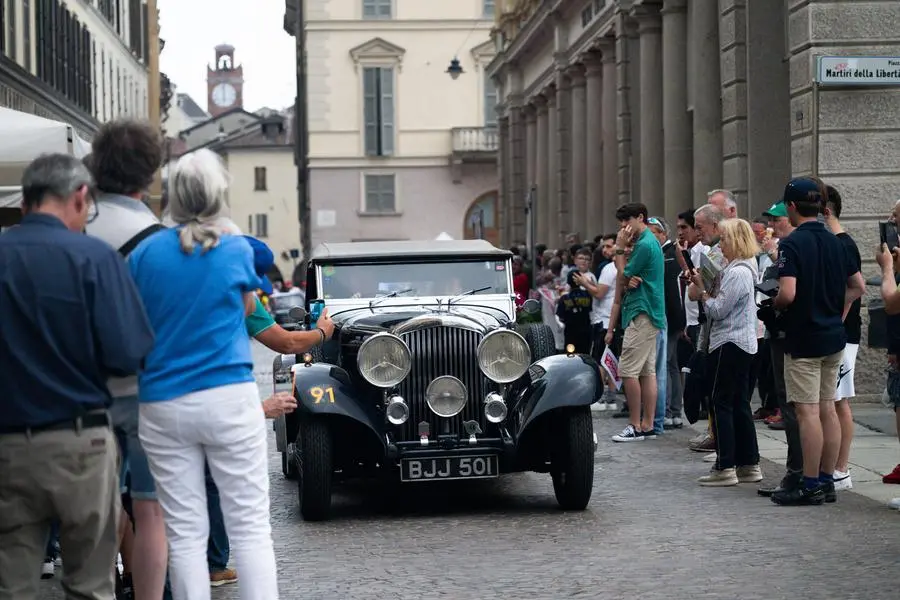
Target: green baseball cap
<point>776,210</point>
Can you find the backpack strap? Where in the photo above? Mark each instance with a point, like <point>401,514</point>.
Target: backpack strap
<point>131,244</point>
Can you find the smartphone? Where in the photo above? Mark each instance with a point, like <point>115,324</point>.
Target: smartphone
<point>315,311</point>
<point>889,235</point>
<point>687,259</point>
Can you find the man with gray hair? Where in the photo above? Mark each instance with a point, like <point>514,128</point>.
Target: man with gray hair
<point>724,201</point>
<point>66,298</point>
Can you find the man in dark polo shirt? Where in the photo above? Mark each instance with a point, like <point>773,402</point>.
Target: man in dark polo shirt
<point>65,299</point>
<point>817,281</point>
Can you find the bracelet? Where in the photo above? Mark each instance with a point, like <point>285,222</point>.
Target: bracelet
<point>322,333</point>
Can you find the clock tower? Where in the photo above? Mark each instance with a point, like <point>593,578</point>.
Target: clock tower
<point>224,82</point>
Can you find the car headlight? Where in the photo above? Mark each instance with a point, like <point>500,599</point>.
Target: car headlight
<point>504,356</point>
<point>384,360</point>
<point>446,396</point>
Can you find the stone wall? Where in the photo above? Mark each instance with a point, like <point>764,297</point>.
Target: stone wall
<point>859,128</point>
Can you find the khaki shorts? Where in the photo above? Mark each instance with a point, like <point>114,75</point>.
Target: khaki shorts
<point>812,380</point>
<point>639,349</point>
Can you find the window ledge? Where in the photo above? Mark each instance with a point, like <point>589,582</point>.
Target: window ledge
<point>362,213</point>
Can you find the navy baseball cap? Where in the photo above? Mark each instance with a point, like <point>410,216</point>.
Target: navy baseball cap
<point>263,259</point>
<point>798,190</point>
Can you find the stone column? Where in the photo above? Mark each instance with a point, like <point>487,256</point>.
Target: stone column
<point>704,57</point>
<point>541,229</point>
<point>579,149</point>
<point>623,110</point>
<point>530,162</point>
<point>733,74</point>
<point>553,205</point>
<point>563,139</point>
<point>678,172</point>
<point>503,192</point>
<point>516,211</point>
<point>594,146</point>
<point>652,151</point>
<point>610,143</point>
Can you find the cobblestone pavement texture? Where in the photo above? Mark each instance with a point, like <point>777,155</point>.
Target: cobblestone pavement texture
<point>650,532</point>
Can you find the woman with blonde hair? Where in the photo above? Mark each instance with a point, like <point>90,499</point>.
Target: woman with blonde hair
<point>199,400</point>
<point>732,345</point>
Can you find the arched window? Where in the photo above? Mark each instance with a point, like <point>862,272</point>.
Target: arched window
<point>481,219</point>
<point>224,63</point>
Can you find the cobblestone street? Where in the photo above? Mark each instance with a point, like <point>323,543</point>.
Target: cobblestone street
<point>650,532</point>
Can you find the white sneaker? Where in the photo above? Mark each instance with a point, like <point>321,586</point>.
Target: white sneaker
<point>667,422</point>
<point>711,457</point>
<point>601,405</point>
<point>895,504</point>
<point>48,569</point>
<point>677,423</point>
<point>842,480</point>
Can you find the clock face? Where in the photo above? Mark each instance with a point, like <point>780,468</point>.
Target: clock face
<point>224,95</point>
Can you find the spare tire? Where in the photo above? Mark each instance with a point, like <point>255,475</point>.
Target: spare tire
<point>540,340</point>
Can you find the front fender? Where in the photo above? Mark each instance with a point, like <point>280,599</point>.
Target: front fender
<point>555,382</point>
<point>323,389</point>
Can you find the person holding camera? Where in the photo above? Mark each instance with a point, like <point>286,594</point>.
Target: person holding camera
<point>816,281</point>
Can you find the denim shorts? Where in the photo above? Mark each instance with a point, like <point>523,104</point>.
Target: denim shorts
<point>125,414</point>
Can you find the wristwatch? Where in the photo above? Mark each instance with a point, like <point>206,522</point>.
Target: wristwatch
<point>620,251</point>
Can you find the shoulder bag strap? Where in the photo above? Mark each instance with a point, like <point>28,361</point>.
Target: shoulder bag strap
<point>131,244</point>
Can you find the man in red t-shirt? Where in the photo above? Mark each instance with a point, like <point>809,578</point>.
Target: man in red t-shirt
<point>520,281</point>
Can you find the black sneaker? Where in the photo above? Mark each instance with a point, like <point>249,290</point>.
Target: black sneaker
<point>829,492</point>
<point>650,435</point>
<point>622,414</point>
<point>629,434</point>
<point>800,496</point>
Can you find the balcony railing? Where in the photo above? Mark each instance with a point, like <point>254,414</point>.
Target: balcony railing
<point>474,140</point>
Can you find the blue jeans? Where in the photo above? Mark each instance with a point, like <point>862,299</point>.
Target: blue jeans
<point>662,359</point>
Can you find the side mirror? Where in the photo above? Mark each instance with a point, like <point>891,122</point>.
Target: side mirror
<point>531,306</point>
<point>297,313</point>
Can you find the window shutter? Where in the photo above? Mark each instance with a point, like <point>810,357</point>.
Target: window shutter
<point>388,205</point>
<point>387,111</point>
<point>370,110</point>
<point>490,102</point>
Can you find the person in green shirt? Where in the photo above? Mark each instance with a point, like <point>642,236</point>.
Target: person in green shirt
<point>643,317</point>
<point>262,327</point>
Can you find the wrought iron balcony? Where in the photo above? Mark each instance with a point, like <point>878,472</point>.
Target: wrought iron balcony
<point>474,144</point>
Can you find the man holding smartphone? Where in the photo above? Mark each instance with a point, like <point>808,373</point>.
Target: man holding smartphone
<point>817,280</point>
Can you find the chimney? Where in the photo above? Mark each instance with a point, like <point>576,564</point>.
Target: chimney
<point>272,127</point>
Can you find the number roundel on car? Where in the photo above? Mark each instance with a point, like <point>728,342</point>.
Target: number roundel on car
<point>504,356</point>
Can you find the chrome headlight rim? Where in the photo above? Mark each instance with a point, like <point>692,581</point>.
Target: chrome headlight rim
<point>480,349</point>
<point>462,405</point>
<point>407,357</point>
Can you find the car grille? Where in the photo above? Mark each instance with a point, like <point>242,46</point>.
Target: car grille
<point>438,351</point>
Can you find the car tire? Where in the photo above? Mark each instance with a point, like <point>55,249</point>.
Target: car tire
<point>289,464</point>
<point>572,463</point>
<point>315,467</point>
<point>540,340</point>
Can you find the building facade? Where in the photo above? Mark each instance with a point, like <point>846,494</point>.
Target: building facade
<point>661,101</point>
<point>399,149</point>
<point>82,62</point>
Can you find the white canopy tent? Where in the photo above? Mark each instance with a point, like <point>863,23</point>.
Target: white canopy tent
<point>24,137</point>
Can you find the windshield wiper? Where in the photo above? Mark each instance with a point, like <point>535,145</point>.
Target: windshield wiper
<point>393,294</point>
<point>469,293</point>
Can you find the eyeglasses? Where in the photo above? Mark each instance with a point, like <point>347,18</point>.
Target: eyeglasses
<point>93,207</point>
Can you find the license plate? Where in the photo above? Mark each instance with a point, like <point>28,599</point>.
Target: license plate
<point>449,467</point>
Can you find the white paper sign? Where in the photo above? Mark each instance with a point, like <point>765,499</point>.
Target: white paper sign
<point>610,364</point>
<point>326,218</point>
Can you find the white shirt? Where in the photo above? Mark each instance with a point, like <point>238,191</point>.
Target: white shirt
<point>603,306</point>
<point>119,219</point>
<point>691,308</point>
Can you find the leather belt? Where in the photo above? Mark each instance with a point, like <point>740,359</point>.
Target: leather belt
<point>89,420</point>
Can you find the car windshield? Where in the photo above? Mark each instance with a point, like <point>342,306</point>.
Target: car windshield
<point>415,279</point>
<point>287,301</point>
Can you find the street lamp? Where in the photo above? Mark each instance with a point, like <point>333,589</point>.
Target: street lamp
<point>455,69</point>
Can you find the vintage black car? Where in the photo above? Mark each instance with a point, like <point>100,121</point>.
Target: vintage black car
<point>429,378</point>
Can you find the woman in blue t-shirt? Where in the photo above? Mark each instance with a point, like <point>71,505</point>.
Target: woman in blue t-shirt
<point>199,400</point>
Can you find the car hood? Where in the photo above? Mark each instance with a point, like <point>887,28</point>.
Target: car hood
<point>399,320</point>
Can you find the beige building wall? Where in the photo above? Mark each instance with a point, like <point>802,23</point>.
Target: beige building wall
<point>661,101</point>
<point>277,203</point>
<point>442,144</point>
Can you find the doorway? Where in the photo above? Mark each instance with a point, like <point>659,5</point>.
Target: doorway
<point>481,219</point>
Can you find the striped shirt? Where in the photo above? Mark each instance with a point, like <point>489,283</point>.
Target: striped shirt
<point>733,310</point>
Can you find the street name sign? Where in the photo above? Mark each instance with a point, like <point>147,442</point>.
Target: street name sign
<point>858,70</point>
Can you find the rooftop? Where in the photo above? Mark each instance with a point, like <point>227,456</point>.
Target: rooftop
<point>407,249</point>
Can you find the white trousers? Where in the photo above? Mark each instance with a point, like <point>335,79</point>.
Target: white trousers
<point>225,427</point>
